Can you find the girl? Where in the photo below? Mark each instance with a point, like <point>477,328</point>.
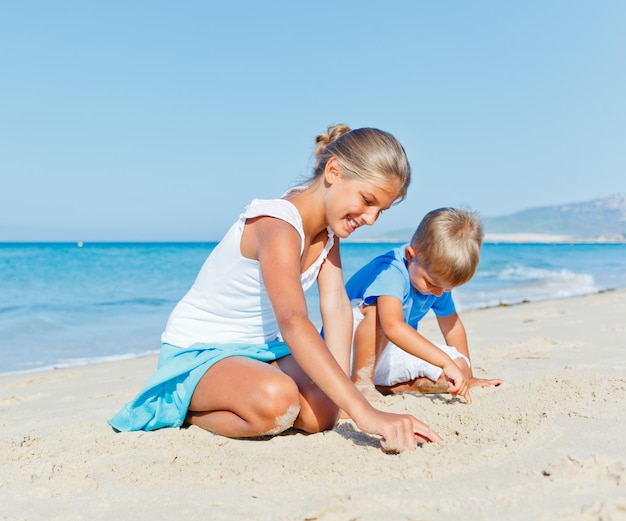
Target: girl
<point>240,357</point>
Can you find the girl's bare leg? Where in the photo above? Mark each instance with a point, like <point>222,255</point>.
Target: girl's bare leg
<point>240,397</point>
<point>317,411</point>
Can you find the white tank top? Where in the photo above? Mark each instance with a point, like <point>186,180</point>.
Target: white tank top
<point>228,302</point>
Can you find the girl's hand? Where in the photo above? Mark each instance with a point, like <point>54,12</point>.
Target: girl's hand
<point>399,432</point>
<point>458,383</point>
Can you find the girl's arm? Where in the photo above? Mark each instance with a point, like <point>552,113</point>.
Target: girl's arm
<point>278,251</point>
<point>335,308</point>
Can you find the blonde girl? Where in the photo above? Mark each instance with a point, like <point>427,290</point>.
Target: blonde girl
<point>240,356</point>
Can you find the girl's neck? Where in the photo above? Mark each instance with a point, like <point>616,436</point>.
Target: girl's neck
<point>309,202</point>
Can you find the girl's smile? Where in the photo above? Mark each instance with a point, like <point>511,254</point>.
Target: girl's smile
<point>362,201</point>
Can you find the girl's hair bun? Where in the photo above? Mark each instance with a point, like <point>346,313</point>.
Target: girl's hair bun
<point>323,140</point>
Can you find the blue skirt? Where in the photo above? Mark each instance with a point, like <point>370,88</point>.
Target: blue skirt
<point>164,400</point>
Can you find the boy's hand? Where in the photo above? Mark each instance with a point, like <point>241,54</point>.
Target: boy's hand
<point>458,383</point>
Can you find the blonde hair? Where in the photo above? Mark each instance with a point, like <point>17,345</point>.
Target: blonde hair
<point>367,154</point>
<point>448,241</point>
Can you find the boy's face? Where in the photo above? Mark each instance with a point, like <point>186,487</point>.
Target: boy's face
<point>423,280</point>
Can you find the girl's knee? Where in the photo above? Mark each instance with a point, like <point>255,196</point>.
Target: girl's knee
<point>318,413</point>
<point>279,405</point>
<point>285,421</point>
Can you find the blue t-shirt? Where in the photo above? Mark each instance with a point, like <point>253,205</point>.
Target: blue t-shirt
<point>388,275</point>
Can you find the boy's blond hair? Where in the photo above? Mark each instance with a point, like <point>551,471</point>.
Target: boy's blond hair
<point>447,242</point>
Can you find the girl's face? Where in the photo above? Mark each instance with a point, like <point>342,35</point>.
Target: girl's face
<point>352,203</point>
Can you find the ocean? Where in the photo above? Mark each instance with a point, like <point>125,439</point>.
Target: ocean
<point>67,304</point>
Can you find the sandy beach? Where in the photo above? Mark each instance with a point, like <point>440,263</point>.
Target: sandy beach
<point>548,444</point>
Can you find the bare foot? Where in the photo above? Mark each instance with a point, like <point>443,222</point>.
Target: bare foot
<point>368,390</point>
<point>484,382</point>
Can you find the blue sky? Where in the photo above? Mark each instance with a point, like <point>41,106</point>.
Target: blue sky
<point>161,120</point>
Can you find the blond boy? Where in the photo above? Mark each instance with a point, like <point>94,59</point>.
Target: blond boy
<point>393,292</point>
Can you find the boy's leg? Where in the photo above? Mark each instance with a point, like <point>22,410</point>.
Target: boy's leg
<point>367,342</point>
<point>420,385</point>
<point>364,344</point>
<point>424,384</point>
<point>400,372</point>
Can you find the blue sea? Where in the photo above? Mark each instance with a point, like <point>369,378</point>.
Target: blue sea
<point>67,304</point>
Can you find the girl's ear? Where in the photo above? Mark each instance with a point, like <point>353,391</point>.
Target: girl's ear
<point>332,171</point>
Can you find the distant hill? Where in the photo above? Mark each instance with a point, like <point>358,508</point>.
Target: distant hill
<point>595,219</point>
<point>602,219</point>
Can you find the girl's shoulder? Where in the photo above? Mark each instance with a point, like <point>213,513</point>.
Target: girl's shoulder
<point>278,208</point>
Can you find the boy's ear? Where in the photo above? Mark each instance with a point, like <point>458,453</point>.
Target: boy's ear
<point>409,253</point>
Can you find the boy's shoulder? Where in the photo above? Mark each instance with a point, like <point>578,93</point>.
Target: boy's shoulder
<point>384,273</point>
<point>393,258</point>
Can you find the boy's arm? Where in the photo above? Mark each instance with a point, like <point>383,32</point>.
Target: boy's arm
<point>407,338</point>
<point>454,333</point>
<point>391,317</point>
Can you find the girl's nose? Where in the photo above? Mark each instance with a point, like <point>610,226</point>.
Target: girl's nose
<point>370,216</point>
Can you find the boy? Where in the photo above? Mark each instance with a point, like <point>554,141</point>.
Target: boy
<point>394,291</point>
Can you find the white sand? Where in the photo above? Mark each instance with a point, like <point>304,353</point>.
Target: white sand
<point>549,444</point>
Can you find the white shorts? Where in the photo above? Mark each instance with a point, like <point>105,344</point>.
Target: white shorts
<point>397,366</point>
